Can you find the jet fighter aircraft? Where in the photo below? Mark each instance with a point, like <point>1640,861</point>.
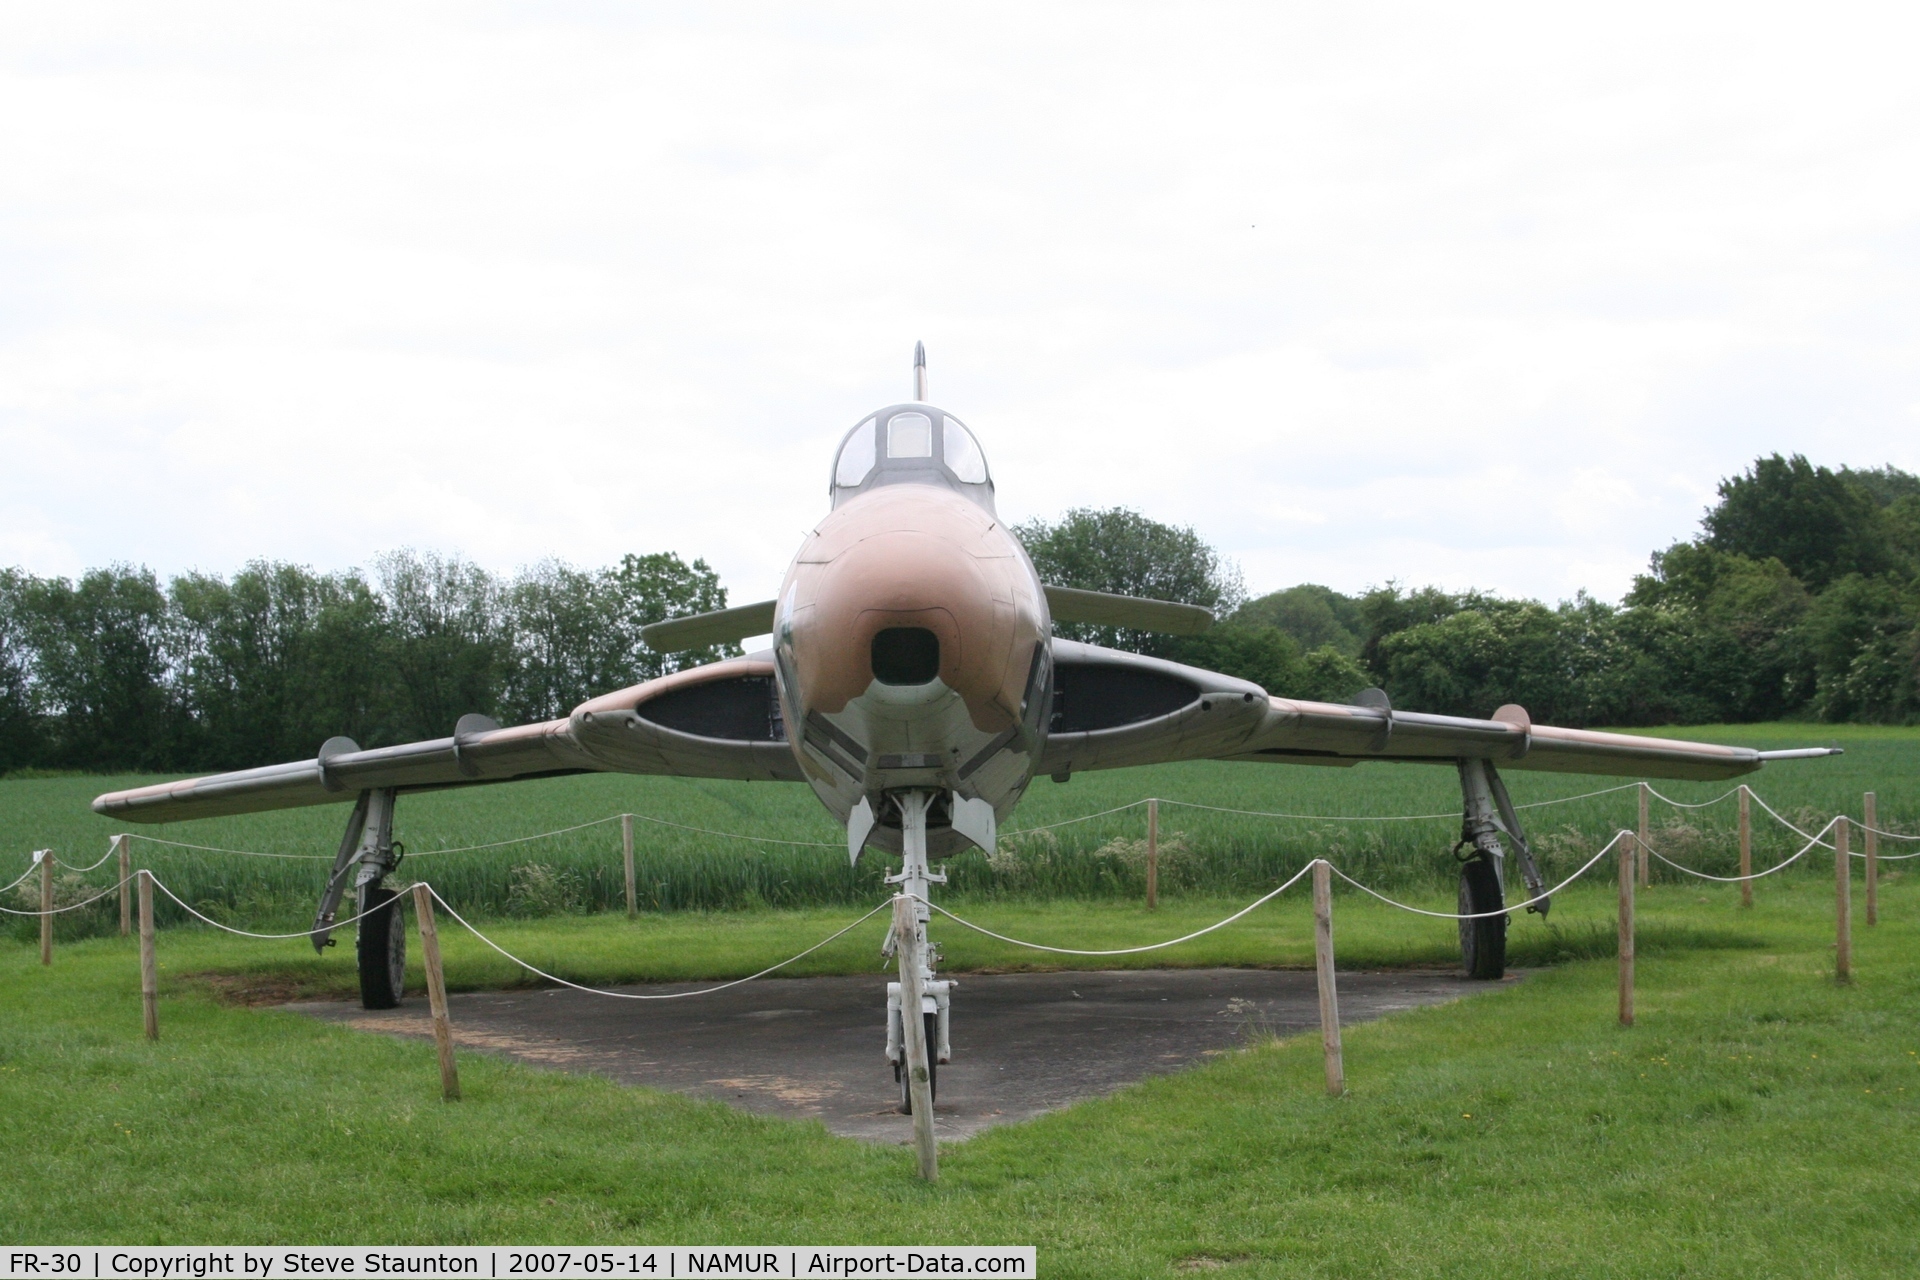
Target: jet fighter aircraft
<point>915,685</point>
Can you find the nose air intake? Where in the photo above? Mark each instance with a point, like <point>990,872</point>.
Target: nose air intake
<point>905,655</point>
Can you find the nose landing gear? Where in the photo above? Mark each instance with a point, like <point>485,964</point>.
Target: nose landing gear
<point>915,1042</point>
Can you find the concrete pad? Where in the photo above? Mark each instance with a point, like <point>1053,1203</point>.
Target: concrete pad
<point>814,1048</point>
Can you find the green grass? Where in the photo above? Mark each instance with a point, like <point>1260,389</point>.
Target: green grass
<point>685,946</point>
<point>1760,1119</point>
<point>1208,853</point>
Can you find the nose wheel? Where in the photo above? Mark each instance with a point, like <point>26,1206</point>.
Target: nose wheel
<point>901,1076</point>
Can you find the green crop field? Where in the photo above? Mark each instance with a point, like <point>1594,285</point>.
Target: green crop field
<point>1204,851</point>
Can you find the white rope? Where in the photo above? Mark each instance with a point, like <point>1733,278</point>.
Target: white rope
<point>1681,804</point>
<point>29,871</point>
<point>245,853</point>
<point>632,995</point>
<point>1047,826</point>
<point>91,865</point>
<point>37,854</point>
<point>72,907</point>
<point>1313,817</point>
<point>1824,844</point>
<point>1127,951</point>
<point>272,937</point>
<point>500,844</point>
<point>734,835</point>
<point>1482,915</point>
<point>1067,822</point>
<point>1788,825</point>
<point>1392,817</point>
<point>1584,795</point>
<point>1779,866</point>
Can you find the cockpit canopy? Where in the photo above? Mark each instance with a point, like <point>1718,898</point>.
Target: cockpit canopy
<point>911,443</point>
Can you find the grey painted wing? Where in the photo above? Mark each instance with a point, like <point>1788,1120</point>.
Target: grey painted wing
<point>1300,732</point>
<point>717,721</point>
<point>341,771</point>
<point>1115,709</point>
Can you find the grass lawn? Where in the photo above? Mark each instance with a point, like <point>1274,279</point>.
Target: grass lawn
<point>1760,1119</point>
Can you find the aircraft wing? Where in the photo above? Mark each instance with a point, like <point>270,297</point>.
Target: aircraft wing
<point>717,721</point>
<point>1114,709</point>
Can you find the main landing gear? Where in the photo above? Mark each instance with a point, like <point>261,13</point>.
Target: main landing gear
<point>369,851</point>
<point>1487,814</point>
<point>915,881</point>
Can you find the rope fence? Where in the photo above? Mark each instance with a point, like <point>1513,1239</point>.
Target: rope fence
<point>674,995</point>
<point>1484,915</point>
<point>1645,847</point>
<point>1276,815</point>
<point>1129,951</point>
<point>1624,844</point>
<point>71,906</point>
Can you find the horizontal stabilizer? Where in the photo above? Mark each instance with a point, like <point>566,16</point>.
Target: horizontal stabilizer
<point>722,626</point>
<point>1070,604</point>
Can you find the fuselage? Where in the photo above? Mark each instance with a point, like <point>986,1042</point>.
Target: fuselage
<point>910,634</point>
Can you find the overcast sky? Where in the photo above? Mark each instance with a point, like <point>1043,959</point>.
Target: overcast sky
<point>1474,295</point>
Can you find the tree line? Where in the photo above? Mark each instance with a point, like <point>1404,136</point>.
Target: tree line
<point>119,672</point>
<point>1799,598</point>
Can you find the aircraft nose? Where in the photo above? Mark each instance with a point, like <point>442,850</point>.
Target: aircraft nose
<point>905,603</point>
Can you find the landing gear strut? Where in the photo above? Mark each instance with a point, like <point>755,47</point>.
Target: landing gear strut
<point>1488,814</point>
<point>916,880</point>
<point>381,947</point>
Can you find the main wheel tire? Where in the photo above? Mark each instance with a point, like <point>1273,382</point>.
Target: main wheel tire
<point>1483,942</point>
<point>381,948</point>
<point>903,1078</point>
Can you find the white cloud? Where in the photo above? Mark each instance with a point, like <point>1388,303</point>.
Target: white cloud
<point>1488,298</point>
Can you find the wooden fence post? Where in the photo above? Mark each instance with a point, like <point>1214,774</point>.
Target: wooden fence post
<point>149,970</point>
<point>1842,903</point>
<point>46,906</point>
<point>626,857</point>
<point>1645,795</point>
<point>1871,821</point>
<point>913,1035</point>
<point>1746,846</point>
<point>1627,871</point>
<point>1153,855</point>
<point>121,845</point>
<point>436,991</point>
<point>1323,968</point>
